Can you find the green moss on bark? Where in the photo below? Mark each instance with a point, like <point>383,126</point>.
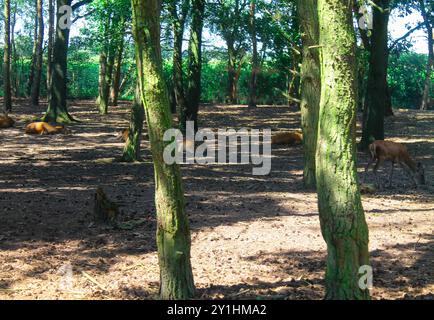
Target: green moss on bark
<point>132,145</point>
<point>310,85</point>
<point>342,218</point>
<point>173,234</point>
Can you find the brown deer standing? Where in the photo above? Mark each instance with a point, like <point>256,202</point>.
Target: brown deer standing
<point>396,153</point>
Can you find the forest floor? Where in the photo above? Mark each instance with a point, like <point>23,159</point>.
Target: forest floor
<point>252,236</point>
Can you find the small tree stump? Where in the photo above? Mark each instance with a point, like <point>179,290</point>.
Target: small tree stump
<point>105,211</point>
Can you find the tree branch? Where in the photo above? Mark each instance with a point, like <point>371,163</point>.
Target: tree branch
<point>394,43</point>
<point>80,3</point>
<point>83,16</point>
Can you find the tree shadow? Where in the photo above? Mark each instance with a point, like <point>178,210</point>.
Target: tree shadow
<point>47,186</point>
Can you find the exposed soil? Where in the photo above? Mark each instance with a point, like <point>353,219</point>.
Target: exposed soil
<point>252,236</point>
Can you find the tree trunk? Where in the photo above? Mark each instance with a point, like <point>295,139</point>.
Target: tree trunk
<point>15,77</point>
<point>195,61</point>
<point>36,85</point>
<point>132,145</point>
<point>426,98</point>
<point>173,234</point>
<point>342,218</point>
<point>102,100</point>
<point>106,63</point>
<point>310,85</point>
<point>255,66</point>
<point>178,25</point>
<point>34,53</point>
<point>57,110</point>
<point>388,112</point>
<point>50,46</point>
<point>117,74</point>
<point>232,75</point>
<point>294,84</point>
<point>7,100</point>
<point>376,92</point>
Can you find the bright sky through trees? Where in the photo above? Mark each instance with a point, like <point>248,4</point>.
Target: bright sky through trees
<point>397,29</point>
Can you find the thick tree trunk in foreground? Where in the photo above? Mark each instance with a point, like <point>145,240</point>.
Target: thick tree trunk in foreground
<point>7,102</point>
<point>255,65</point>
<point>310,86</point>
<point>57,110</point>
<point>376,91</point>
<point>132,145</point>
<point>195,61</point>
<point>173,234</point>
<point>36,84</point>
<point>342,218</point>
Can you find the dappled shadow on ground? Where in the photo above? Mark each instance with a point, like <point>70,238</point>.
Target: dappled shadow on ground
<point>47,184</point>
<point>299,274</point>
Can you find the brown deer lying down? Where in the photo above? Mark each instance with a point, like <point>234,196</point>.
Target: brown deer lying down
<point>6,122</point>
<point>289,138</point>
<point>44,128</point>
<point>396,153</point>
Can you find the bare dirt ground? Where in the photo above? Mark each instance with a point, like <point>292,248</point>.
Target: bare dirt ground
<point>252,236</point>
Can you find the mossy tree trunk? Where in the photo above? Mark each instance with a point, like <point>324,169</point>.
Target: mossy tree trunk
<point>173,234</point>
<point>57,110</point>
<point>195,61</point>
<point>342,218</point>
<point>7,100</point>
<point>377,90</point>
<point>310,85</point>
<point>36,84</point>
<point>132,145</point>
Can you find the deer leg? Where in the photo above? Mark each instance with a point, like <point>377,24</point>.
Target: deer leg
<point>391,174</point>
<point>377,165</point>
<point>371,160</point>
<point>409,174</point>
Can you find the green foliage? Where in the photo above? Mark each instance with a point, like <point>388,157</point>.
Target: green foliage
<point>83,79</point>
<point>406,78</point>
<point>278,37</point>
